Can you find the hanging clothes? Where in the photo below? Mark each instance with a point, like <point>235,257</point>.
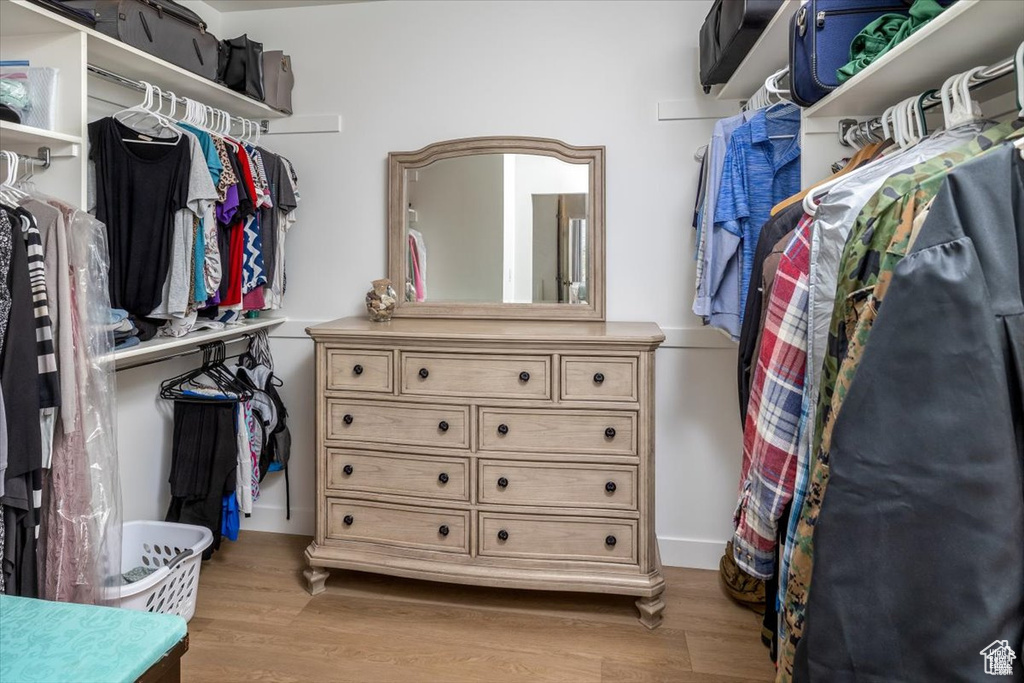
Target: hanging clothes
<point>954,518</point>
<point>877,242</point>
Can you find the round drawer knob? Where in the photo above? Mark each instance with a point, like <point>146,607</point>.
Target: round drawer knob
<point>609,541</point>
<point>443,477</point>
<point>502,482</point>
<point>598,377</point>
<point>610,432</point>
<point>503,429</point>
<point>443,530</point>
<point>347,469</point>
<point>348,419</point>
<point>348,520</point>
<point>424,373</point>
<point>502,535</point>
<point>524,376</point>
<point>610,487</point>
<point>358,369</point>
<point>443,426</point>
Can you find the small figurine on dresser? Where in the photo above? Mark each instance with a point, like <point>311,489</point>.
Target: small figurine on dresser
<point>380,301</point>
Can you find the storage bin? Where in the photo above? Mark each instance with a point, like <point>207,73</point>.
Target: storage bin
<point>177,551</point>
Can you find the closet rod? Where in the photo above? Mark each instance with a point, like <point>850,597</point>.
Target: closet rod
<point>934,98</point>
<point>43,158</point>
<point>199,349</point>
<point>137,85</point>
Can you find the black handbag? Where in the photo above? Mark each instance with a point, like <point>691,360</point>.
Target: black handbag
<point>240,66</point>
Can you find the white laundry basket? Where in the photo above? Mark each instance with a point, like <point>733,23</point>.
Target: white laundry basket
<point>176,550</point>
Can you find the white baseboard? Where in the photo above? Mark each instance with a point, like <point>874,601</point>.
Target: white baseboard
<point>687,552</point>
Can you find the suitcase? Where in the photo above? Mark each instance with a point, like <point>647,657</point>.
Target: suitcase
<point>729,31</point>
<point>820,34</point>
<point>278,80</point>
<point>61,8</point>
<point>162,28</point>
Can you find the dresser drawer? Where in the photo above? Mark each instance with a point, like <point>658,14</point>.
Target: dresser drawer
<point>611,487</point>
<point>554,538</point>
<point>599,379</point>
<point>398,525</point>
<point>359,370</point>
<point>435,374</point>
<point>558,431</point>
<point>391,423</point>
<point>404,475</point>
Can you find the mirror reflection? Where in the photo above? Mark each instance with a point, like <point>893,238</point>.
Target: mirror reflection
<point>508,228</point>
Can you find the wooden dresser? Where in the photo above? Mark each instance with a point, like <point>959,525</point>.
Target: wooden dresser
<point>504,453</point>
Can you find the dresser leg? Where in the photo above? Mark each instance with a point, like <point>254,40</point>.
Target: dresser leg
<point>650,611</point>
<point>315,579</point>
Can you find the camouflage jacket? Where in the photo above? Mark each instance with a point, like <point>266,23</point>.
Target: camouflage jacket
<point>880,238</point>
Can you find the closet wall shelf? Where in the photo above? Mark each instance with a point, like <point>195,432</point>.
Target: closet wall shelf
<point>20,17</point>
<point>970,33</point>
<point>15,137</point>
<point>161,347</point>
<point>769,54</point>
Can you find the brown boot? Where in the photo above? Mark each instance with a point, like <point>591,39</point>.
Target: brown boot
<point>739,585</point>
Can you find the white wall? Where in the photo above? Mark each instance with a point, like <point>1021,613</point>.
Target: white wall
<point>459,209</point>
<point>405,74</point>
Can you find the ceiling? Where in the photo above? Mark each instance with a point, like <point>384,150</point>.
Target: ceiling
<point>246,5</point>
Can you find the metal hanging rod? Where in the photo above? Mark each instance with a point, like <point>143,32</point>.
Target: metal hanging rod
<point>42,158</point>
<point>137,85</point>
<point>191,352</point>
<point>933,98</point>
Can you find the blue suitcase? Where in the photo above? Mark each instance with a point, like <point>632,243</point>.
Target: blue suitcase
<point>819,42</point>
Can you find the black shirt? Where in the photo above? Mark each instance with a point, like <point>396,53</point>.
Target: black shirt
<point>139,188</point>
<point>773,231</point>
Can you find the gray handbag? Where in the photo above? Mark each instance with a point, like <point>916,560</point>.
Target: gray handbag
<point>278,80</point>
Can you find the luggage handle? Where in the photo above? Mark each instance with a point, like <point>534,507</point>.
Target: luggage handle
<point>199,53</point>
<point>718,30</point>
<point>145,26</point>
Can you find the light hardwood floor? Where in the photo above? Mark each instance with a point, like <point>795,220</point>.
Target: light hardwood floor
<point>256,622</point>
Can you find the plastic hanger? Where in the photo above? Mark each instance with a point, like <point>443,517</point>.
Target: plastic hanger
<point>11,194</point>
<point>144,110</point>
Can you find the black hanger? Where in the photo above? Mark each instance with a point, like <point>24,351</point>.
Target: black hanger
<point>184,387</point>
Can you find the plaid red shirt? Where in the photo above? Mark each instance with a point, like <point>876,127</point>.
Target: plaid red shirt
<point>770,435</point>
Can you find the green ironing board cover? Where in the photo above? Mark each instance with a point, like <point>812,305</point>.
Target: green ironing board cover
<point>44,642</point>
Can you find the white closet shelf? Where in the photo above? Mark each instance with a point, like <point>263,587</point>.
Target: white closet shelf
<point>15,137</point>
<point>769,54</point>
<point>20,17</point>
<point>160,347</point>
<point>970,33</point>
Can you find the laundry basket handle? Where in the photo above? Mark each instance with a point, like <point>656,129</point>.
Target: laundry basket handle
<point>187,552</point>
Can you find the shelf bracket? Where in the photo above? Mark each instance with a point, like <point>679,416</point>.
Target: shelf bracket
<point>44,156</point>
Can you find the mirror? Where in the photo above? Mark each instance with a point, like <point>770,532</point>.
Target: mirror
<point>498,227</point>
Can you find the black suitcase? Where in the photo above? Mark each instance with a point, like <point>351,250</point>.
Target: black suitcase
<point>729,31</point>
<point>163,28</point>
<point>61,8</point>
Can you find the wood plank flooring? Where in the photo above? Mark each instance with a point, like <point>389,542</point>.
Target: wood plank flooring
<point>255,622</point>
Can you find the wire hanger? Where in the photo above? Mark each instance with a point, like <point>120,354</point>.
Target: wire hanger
<point>185,387</point>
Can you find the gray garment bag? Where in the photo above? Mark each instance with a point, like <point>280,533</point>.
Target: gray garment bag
<point>919,547</point>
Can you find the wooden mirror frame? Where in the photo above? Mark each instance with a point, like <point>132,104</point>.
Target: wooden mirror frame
<point>400,162</point>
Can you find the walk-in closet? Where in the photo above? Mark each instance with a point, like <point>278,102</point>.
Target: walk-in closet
<point>585,341</point>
